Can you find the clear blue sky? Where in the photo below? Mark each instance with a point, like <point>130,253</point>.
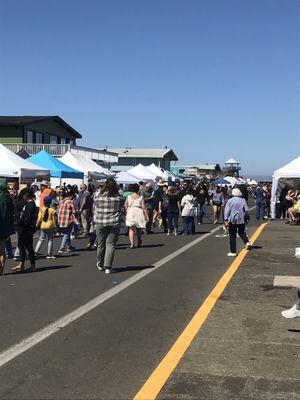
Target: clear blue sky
<point>211,79</point>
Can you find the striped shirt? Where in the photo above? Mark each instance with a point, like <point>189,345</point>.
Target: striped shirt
<point>107,210</point>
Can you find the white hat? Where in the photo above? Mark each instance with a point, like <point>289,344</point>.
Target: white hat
<point>236,192</point>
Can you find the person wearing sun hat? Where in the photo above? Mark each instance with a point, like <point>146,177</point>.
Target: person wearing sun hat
<point>236,213</point>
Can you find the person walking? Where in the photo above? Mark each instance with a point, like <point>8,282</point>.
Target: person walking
<point>46,222</point>
<point>28,218</point>
<point>260,203</point>
<point>161,200</point>
<point>85,200</point>
<point>201,196</point>
<point>107,219</point>
<point>236,214</point>
<point>188,204</point>
<point>136,214</point>
<point>66,219</point>
<point>217,201</point>
<point>6,223</point>
<point>149,199</point>
<point>173,210</point>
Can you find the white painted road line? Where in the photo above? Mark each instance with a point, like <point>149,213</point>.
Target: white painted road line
<point>37,337</point>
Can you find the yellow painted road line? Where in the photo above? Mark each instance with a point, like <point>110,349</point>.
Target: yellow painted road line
<point>162,372</point>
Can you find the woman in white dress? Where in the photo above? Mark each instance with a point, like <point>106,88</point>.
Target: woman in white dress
<point>136,214</point>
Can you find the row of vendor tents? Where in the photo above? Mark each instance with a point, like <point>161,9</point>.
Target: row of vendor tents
<point>72,169</point>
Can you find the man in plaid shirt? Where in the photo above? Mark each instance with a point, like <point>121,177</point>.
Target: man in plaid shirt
<point>107,219</point>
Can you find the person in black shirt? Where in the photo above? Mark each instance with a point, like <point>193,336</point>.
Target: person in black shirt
<point>173,209</point>
<point>201,196</point>
<point>28,218</point>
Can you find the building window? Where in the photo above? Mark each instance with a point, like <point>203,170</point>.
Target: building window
<point>53,139</point>
<point>39,137</point>
<point>62,140</point>
<point>29,137</point>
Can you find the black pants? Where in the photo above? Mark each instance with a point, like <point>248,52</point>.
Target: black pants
<point>150,219</point>
<point>25,243</point>
<point>233,230</point>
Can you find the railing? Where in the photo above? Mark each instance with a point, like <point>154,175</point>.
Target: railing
<point>58,150</point>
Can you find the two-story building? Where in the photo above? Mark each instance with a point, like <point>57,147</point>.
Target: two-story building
<point>50,133</point>
<point>130,157</point>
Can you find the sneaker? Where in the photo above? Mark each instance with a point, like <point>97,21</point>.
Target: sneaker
<point>71,248</point>
<point>291,313</point>
<point>248,246</point>
<point>231,254</point>
<point>100,267</point>
<point>51,257</point>
<point>64,251</point>
<point>108,271</point>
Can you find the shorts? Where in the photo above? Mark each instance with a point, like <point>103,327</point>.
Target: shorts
<point>215,203</point>
<point>2,246</point>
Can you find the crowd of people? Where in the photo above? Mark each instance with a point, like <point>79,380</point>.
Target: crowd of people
<point>68,212</point>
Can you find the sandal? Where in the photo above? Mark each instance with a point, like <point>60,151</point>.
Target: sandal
<point>18,268</point>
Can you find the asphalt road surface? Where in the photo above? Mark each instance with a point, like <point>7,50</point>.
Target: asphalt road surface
<point>110,351</point>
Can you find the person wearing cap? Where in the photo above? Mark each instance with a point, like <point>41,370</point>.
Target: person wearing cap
<point>46,222</point>
<point>28,219</point>
<point>6,222</point>
<point>236,214</point>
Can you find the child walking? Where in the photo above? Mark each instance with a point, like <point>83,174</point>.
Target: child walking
<point>47,224</point>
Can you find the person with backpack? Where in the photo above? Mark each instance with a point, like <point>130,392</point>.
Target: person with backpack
<point>46,222</point>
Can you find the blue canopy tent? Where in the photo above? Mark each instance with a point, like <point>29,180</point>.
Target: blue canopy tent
<point>57,168</point>
<point>221,181</point>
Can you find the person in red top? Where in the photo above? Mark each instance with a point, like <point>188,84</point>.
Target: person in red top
<point>66,219</point>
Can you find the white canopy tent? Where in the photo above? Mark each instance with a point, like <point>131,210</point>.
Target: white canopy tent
<point>233,181</point>
<point>142,173</point>
<point>158,172</point>
<point>90,169</point>
<point>289,175</point>
<point>13,166</point>
<point>126,178</point>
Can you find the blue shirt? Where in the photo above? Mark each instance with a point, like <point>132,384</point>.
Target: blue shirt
<point>235,210</point>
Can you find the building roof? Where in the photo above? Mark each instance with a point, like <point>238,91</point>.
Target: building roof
<point>14,120</point>
<point>145,153</point>
<point>232,161</point>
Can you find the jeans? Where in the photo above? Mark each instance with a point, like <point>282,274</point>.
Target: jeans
<point>260,210</point>
<point>200,211</point>
<point>233,230</point>
<point>172,218</point>
<point>66,240</point>
<point>164,218</point>
<point>25,243</point>
<point>107,239</point>
<point>188,225</point>
<point>45,234</point>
